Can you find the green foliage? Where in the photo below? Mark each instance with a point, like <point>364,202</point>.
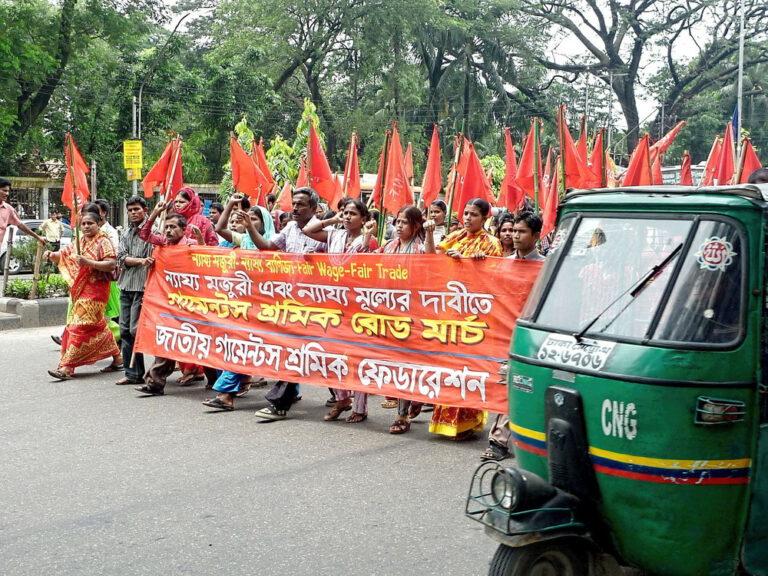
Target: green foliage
<point>282,160</point>
<point>51,286</point>
<point>497,167</point>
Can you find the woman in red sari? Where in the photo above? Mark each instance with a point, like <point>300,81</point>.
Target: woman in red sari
<point>86,338</point>
<point>188,204</point>
<point>471,241</point>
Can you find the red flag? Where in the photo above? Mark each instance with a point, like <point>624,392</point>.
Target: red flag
<point>581,145</point>
<point>686,177</point>
<point>726,164</point>
<point>408,162</point>
<point>551,202</point>
<point>375,198</point>
<point>246,176</point>
<point>320,175</point>
<point>529,170</point>
<point>710,168</point>
<point>260,157</point>
<point>397,193</point>
<point>337,195</point>
<point>749,161</point>
<point>433,179</point>
<point>639,170</point>
<point>597,161</point>
<point>475,184</point>
<point>352,170</point>
<point>656,175</point>
<point>285,202</point>
<point>302,180</point>
<point>75,181</point>
<point>663,144</point>
<point>167,173</point>
<point>511,196</point>
<point>459,171</point>
<point>577,173</point>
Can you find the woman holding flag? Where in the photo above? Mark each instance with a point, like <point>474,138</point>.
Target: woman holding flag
<point>472,241</point>
<point>87,271</point>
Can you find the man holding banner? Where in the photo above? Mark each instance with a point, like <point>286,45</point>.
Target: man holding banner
<point>290,239</point>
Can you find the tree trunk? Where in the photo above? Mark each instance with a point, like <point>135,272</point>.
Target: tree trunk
<point>31,105</point>
<point>625,92</point>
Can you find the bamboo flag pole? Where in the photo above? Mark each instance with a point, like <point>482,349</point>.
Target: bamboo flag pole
<point>561,137</point>
<point>536,164</point>
<point>36,271</point>
<point>348,167</point>
<point>456,159</point>
<point>384,164</point>
<point>76,215</point>
<point>169,182</point>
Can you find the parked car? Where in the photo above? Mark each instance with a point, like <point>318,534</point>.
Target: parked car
<point>14,266</point>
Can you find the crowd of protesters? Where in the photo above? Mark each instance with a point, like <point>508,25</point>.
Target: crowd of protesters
<point>107,273</point>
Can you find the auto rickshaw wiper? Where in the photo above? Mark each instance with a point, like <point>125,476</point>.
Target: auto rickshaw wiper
<point>634,291</point>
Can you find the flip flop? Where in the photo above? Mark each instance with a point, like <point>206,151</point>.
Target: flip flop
<point>60,374</point>
<point>189,379</point>
<point>399,427</point>
<point>149,390</point>
<point>217,404</point>
<point>112,368</point>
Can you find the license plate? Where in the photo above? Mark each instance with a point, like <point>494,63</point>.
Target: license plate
<point>565,350</point>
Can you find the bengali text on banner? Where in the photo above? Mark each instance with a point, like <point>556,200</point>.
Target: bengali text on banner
<point>421,327</point>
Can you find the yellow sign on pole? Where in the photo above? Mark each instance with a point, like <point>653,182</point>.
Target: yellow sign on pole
<point>132,158</point>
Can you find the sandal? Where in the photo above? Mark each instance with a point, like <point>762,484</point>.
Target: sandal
<point>112,368</point>
<point>244,389</point>
<point>336,411</point>
<point>218,404</point>
<point>150,390</point>
<point>389,404</point>
<point>400,427</point>
<point>494,452</point>
<point>356,417</point>
<point>59,374</point>
<point>414,410</point>
<point>188,379</point>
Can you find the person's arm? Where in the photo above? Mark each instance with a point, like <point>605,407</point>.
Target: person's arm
<point>369,233</point>
<point>315,228</point>
<point>146,233</point>
<point>27,230</point>
<point>52,256</point>
<point>222,226</point>
<point>429,237</point>
<point>198,234</point>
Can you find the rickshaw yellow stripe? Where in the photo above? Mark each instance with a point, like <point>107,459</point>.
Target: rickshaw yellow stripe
<point>540,436</point>
<point>672,463</point>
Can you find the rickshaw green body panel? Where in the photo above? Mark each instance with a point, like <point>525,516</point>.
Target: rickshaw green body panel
<point>675,495</point>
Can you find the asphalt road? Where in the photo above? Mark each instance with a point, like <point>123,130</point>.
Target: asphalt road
<point>97,480</point>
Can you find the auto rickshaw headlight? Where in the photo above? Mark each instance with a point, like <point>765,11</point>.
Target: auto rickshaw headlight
<point>505,488</point>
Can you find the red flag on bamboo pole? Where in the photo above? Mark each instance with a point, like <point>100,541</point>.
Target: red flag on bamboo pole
<point>511,195</point>
<point>749,161</point>
<point>639,170</point>
<point>686,177</point>
<point>597,161</point>
<point>302,180</point>
<point>710,168</point>
<point>581,144</point>
<point>529,170</point>
<point>433,179</point>
<point>396,190</point>
<point>408,162</point>
<point>352,170</point>
<point>285,202</point>
<point>475,184</point>
<point>551,202</point>
<point>247,178</point>
<point>260,157</point>
<point>320,175</point>
<point>75,192</point>
<point>656,176</point>
<point>663,143</point>
<point>167,174</point>
<point>576,172</point>
<point>726,165</point>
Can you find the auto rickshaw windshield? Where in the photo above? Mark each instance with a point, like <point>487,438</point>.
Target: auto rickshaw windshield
<point>602,287</point>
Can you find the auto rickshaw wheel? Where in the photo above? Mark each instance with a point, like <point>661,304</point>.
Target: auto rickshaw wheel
<point>555,558</point>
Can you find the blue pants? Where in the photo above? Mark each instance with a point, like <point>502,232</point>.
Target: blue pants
<point>228,382</point>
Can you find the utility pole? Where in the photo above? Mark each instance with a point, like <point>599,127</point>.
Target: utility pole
<point>740,89</point>
<point>135,183</point>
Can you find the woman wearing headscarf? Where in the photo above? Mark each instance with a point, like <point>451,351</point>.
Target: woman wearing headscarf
<point>187,203</point>
<point>472,241</point>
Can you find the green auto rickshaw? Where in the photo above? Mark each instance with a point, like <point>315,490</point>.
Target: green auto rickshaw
<point>637,392</point>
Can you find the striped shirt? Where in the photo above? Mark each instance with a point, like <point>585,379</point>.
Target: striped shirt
<point>132,278</point>
<point>292,239</point>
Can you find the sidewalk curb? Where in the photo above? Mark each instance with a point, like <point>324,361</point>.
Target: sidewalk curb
<point>34,313</point>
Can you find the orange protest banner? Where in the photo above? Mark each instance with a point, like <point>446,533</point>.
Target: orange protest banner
<point>421,327</point>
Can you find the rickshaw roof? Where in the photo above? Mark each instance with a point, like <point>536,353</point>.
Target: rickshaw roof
<point>653,197</point>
